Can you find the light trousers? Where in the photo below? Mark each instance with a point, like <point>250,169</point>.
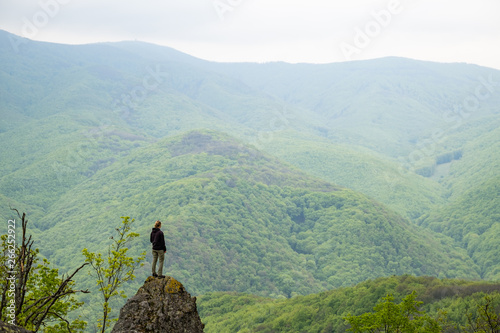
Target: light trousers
<point>158,255</point>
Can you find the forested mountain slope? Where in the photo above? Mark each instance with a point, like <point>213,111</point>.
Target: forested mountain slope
<point>93,132</point>
<point>387,105</point>
<point>360,169</point>
<point>474,221</point>
<point>240,220</point>
<point>452,301</point>
<point>389,114</point>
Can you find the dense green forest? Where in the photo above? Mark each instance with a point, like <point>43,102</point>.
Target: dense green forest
<point>400,110</point>
<point>240,220</point>
<point>473,221</point>
<point>448,301</point>
<point>277,180</point>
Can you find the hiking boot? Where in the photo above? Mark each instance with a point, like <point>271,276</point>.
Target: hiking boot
<point>161,276</point>
<point>155,275</point>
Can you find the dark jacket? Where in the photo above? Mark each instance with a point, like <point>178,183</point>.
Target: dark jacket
<point>158,239</point>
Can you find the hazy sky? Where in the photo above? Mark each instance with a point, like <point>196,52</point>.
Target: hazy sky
<point>314,31</point>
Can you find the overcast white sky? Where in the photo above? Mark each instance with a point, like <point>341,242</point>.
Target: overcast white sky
<point>313,31</point>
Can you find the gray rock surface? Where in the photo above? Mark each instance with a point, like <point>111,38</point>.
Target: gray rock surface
<point>160,305</point>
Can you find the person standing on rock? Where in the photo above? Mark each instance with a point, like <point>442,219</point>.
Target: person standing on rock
<point>159,249</point>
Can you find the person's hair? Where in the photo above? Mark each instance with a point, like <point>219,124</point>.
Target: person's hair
<point>157,224</point>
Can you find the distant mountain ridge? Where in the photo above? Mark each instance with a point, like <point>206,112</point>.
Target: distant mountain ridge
<point>398,108</point>
<point>93,132</point>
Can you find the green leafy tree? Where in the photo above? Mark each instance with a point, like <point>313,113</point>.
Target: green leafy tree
<point>115,269</point>
<point>394,318</point>
<point>33,295</point>
<point>45,282</point>
<point>487,319</point>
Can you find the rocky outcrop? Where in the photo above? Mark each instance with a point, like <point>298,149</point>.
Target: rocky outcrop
<point>7,328</point>
<point>160,305</point>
